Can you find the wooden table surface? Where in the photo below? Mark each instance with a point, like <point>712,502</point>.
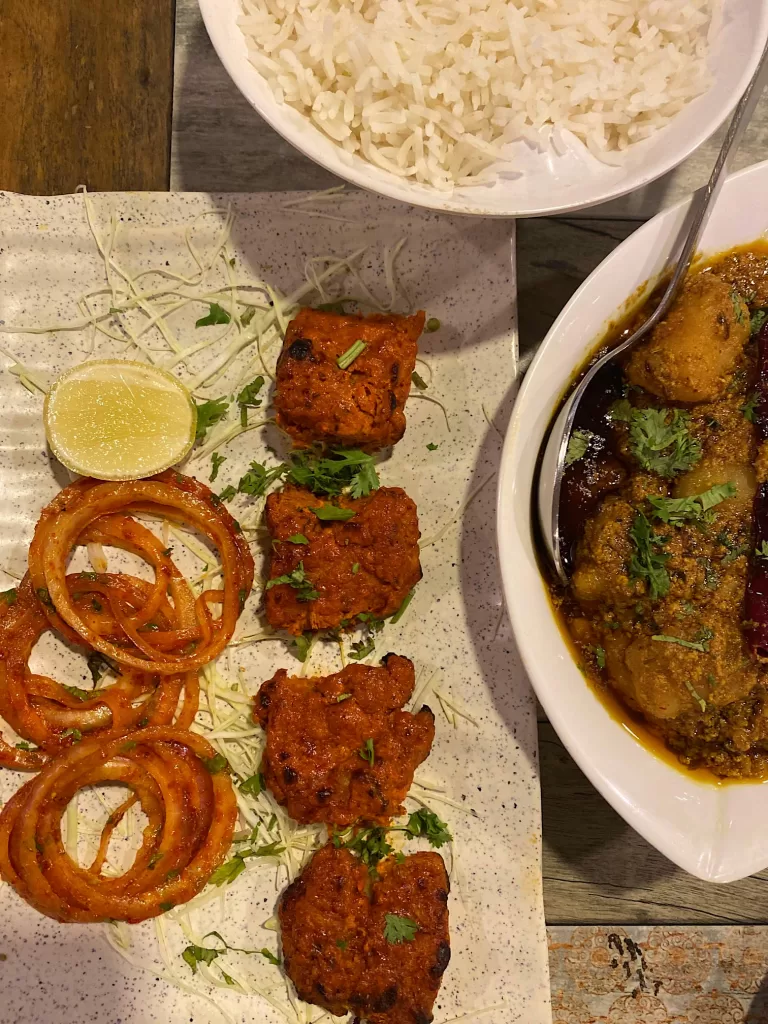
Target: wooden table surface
<point>97,93</point>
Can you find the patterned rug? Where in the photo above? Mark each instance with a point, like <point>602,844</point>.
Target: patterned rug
<point>659,975</point>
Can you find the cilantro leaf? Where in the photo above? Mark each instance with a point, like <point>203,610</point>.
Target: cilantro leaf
<point>738,306</point>
<point>426,823</point>
<point>757,320</point>
<point>253,785</point>
<point>194,955</point>
<point>300,582</point>
<point>647,562</point>
<point>578,445</point>
<point>270,956</point>
<point>399,929</point>
<point>216,764</point>
<point>367,752</point>
<point>678,511</point>
<point>297,538</point>
<point>216,461</point>
<point>332,513</point>
<point>229,870</point>
<point>342,470</point>
<point>228,493</point>
<point>369,844</point>
<point>749,409</point>
<point>216,315</point>
<point>248,396</point>
<point>302,643</point>
<point>418,381</point>
<point>659,438</point>
<point>208,414</point>
<point>258,478</point>
<point>247,399</point>
<point>432,447</point>
<point>361,649</point>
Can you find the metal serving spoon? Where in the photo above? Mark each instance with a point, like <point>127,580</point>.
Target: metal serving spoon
<point>555,446</point>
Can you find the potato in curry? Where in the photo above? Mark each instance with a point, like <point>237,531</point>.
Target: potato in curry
<point>658,502</point>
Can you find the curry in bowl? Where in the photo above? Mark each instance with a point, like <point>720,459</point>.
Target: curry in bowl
<point>665,522</point>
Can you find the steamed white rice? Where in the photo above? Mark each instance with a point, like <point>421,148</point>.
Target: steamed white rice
<point>434,89</point>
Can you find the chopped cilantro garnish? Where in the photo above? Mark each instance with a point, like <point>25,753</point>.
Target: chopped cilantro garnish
<point>208,414</point>
<point>600,657</point>
<point>659,438</point>
<point>367,753</point>
<point>302,643</point>
<point>361,649</point>
<point>701,645</point>
<point>762,551</point>
<point>247,398</point>
<point>300,582</point>
<point>749,408</point>
<point>418,381</point>
<point>738,308</point>
<point>270,956</point>
<point>332,513</point>
<point>757,320</point>
<point>343,697</point>
<point>647,562</point>
<point>194,955</point>
<point>432,447</point>
<point>694,509</point>
<point>297,538</point>
<point>399,929</point>
<point>695,694</point>
<point>342,470</point>
<point>216,764</point>
<point>258,478</point>
<point>369,844</point>
<point>216,315</point>
<point>426,823</point>
<point>216,461</point>
<point>578,445</point>
<point>228,493</point>
<point>253,785</point>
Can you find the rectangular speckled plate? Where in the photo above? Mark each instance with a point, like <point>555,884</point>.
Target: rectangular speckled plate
<point>484,767</point>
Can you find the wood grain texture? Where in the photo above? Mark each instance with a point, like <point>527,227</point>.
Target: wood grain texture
<point>86,94</point>
<point>599,870</point>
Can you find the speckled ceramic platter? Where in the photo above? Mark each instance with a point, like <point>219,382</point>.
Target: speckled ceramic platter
<point>483,767</point>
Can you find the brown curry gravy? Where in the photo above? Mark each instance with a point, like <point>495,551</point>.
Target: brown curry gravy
<point>636,307</point>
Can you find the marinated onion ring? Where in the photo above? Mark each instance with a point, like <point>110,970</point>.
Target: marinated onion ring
<point>47,713</point>
<point>89,510</point>
<point>191,819</point>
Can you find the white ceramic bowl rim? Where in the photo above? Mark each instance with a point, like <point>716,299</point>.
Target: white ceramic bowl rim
<point>719,833</point>
<point>552,182</point>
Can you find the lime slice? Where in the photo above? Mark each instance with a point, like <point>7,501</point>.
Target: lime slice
<point>119,420</point>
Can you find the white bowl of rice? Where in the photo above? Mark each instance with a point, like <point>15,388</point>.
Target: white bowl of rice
<point>492,107</point>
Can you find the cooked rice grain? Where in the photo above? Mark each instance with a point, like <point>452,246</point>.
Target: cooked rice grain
<point>434,90</point>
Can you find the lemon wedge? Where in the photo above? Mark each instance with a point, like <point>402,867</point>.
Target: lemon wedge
<point>114,419</point>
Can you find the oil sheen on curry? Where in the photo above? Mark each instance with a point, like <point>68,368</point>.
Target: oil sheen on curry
<point>665,516</point>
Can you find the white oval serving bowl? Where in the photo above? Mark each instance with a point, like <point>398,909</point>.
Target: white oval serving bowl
<point>719,833</point>
<point>551,183</point>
